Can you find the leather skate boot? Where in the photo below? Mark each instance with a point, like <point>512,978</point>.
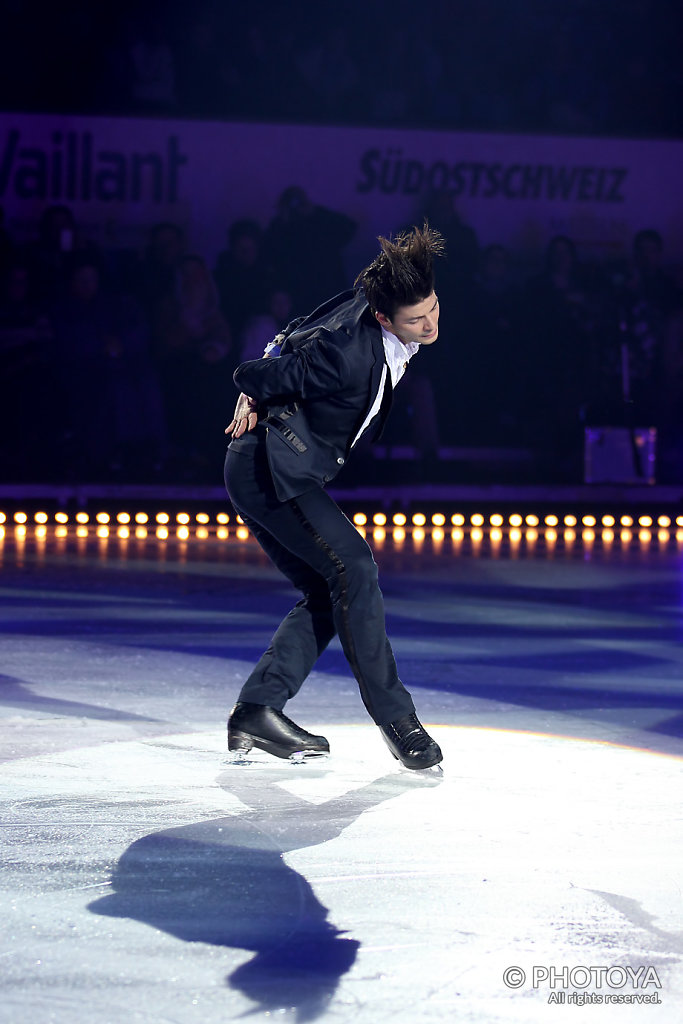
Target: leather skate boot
<point>410,743</point>
<point>256,725</point>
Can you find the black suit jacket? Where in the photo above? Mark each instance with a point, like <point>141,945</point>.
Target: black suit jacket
<point>314,397</point>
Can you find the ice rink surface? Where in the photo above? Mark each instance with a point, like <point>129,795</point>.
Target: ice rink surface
<point>147,880</point>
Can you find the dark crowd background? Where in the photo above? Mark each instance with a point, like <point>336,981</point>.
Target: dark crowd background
<point>117,364</point>
<point>566,66</point>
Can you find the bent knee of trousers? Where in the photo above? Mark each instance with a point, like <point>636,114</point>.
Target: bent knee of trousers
<point>354,574</point>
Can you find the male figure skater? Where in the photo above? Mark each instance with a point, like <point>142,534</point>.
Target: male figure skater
<point>325,381</point>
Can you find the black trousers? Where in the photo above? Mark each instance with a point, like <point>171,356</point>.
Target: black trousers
<point>313,543</point>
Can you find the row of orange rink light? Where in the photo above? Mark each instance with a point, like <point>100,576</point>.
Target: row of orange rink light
<point>495,526</point>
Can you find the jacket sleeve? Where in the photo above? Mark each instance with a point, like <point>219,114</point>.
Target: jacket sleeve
<point>316,369</point>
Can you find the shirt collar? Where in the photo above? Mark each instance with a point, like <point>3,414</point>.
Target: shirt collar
<point>403,351</point>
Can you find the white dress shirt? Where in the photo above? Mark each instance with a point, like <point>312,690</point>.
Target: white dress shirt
<point>396,359</point>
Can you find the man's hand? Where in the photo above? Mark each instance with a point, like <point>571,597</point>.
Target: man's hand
<point>244,418</point>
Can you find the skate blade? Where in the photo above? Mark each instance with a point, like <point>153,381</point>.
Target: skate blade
<point>302,756</point>
<point>434,773</point>
<point>255,758</point>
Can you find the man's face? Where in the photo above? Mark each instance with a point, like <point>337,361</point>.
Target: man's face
<point>418,323</point>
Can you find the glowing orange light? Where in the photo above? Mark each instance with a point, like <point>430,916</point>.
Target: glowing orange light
<point>608,521</point>
<point>162,532</point>
<point>223,518</point>
<point>457,519</point>
<point>140,532</point>
<point>141,518</point>
<point>626,521</point>
<point>3,517</point>
<point>61,517</point>
<point>418,535</point>
<point>399,519</point>
<point>645,521</point>
<point>570,520</point>
<point>379,534</point>
<point>644,536</point>
<point>531,520</point>
<point>123,518</point>
<point>664,522</point>
<point>438,519</point>
<point>222,533</point>
<point>123,533</point>
<point>398,534</point>
<point>182,533</point>
<point>360,519</point>
<point>20,517</point>
<point>202,533</point>
<point>477,519</point>
<point>41,517</point>
<point>102,518</point>
<point>437,536</point>
<point>551,521</point>
<point>588,520</point>
<point>203,518</point>
<point>102,532</point>
<point>182,518</point>
<point>162,518</point>
<point>496,520</point>
<point>242,533</point>
<point>379,519</point>
<point>419,519</point>
<point>516,521</point>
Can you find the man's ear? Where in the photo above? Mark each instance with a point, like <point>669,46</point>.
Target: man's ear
<point>383,320</point>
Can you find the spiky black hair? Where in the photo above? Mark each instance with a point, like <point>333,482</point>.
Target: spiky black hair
<point>403,272</point>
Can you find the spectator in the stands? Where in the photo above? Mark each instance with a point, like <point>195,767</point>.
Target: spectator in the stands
<point>50,257</point>
<point>241,276</point>
<point>560,311</point>
<point>7,246</point>
<point>304,244</point>
<point>262,328</point>
<point>193,349</point>
<point>492,362</point>
<point>28,408</point>
<point>112,412</point>
<point>647,355</point>
<point>159,266</point>
<point>455,287</point>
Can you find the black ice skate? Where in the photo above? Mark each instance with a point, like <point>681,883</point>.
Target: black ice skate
<point>255,725</point>
<point>410,744</point>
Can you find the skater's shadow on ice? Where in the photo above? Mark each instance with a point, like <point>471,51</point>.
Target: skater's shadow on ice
<point>225,882</point>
